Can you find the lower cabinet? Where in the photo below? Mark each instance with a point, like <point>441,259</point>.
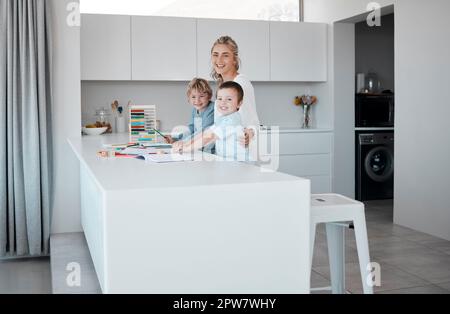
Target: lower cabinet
<point>307,155</point>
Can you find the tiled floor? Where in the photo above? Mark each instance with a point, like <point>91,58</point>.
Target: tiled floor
<point>411,262</point>
<point>25,276</point>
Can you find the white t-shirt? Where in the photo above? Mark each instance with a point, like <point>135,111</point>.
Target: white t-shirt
<point>249,115</point>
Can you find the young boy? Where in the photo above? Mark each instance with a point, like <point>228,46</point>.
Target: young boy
<point>227,130</point>
<point>199,95</point>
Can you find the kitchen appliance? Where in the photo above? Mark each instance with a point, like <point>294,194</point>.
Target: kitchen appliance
<point>360,82</point>
<point>374,110</point>
<point>373,84</point>
<point>374,165</point>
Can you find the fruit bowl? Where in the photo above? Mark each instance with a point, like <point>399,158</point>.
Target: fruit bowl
<point>94,131</point>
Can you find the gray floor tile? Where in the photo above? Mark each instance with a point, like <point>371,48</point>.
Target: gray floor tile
<point>431,289</point>
<point>425,263</point>
<point>318,280</point>
<point>68,248</point>
<point>380,250</point>
<point>25,276</point>
<point>321,255</point>
<point>424,238</point>
<point>445,285</point>
<point>391,278</point>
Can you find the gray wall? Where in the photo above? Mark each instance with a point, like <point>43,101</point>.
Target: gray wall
<point>274,101</point>
<point>66,119</point>
<point>374,50</point>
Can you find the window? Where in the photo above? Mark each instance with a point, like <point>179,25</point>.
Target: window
<point>268,10</point>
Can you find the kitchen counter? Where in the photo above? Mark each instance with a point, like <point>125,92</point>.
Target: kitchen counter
<point>192,227</point>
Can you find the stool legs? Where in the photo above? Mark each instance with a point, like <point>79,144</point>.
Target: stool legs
<point>336,255</point>
<point>363,252</point>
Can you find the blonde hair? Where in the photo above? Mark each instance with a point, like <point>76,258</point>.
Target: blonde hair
<point>230,43</point>
<point>200,85</point>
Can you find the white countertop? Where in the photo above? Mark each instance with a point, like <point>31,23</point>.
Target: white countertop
<point>129,173</point>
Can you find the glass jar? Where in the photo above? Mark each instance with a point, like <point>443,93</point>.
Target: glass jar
<point>103,119</point>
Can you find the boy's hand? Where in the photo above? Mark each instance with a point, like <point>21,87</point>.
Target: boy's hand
<point>248,136</point>
<point>177,147</point>
<point>169,139</point>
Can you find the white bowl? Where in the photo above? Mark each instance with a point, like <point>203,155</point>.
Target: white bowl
<point>94,131</point>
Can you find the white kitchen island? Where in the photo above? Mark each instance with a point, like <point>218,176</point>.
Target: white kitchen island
<point>192,227</point>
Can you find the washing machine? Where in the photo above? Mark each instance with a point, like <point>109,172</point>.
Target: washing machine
<point>374,165</point>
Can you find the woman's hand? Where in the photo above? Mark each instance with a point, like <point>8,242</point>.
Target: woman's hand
<point>249,134</point>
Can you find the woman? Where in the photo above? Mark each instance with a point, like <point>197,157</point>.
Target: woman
<point>225,66</point>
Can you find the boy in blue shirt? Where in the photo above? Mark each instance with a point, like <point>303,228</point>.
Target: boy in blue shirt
<point>199,95</point>
<point>226,131</point>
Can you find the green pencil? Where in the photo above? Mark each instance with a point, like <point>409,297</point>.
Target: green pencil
<point>158,132</point>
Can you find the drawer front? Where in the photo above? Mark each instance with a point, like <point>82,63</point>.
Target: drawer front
<point>306,165</point>
<point>301,143</point>
<point>298,143</point>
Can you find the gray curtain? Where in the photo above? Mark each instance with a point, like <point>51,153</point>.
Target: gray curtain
<point>25,134</point>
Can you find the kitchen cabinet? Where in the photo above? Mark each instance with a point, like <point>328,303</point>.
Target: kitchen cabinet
<point>149,48</point>
<point>298,51</point>
<point>252,38</point>
<point>163,48</point>
<point>105,47</point>
<point>306,154</point>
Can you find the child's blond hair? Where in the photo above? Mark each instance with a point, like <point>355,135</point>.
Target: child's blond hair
<point>200,85</point>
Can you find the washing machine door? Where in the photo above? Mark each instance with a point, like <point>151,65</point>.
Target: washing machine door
<point>379,164</point>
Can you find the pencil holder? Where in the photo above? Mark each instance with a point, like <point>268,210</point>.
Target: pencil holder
<point>120,124</point>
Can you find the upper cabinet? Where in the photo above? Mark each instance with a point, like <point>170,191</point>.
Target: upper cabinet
<point>298,51</point>
<point>163,48</point>
<point>149,48</point>
<point>105,47</point>
<point>252,38</point>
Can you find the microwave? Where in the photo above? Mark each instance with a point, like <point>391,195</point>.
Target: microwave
<point>374,110</point>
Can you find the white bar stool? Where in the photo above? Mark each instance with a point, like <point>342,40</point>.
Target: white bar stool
<point>334,210</point>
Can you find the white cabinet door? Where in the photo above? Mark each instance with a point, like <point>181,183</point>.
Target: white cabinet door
<point>299,143</point>
<point>105,47</point>
<point>252,37</point>
<point>306,165</point>
<point>163,48</point>
<point>298,51</point>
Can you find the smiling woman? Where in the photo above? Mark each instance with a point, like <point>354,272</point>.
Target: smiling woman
<point>225,64</point>
<point>273,10</point>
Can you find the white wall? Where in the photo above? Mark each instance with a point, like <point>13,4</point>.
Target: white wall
<point>422,148</point>
<point>66,119</point>
<point>344,108</point>
<point>274,101</point>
